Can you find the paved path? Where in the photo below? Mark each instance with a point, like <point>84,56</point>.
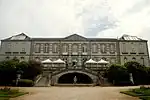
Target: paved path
<point>75,93</point>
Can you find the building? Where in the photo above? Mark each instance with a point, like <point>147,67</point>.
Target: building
<point>76,49</point>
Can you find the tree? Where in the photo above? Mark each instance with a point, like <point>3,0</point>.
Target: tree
<point>7,71</point>
<point>118,75</point>
<point>139,72</point>
<point>34,68</point>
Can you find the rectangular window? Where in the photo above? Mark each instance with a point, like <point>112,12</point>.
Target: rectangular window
<point>37,48</point>
<point>15,52</point>
<point>23,49</point>
<point>7,52</point>
<point>22,52</point>
<point>94,48</point>
<point>55,48</point>
<point>124,49</point>
<point>46,48</point>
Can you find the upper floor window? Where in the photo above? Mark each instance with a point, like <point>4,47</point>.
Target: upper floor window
<point>94,48</point>
<point>84,48</point>
<point>46,48</point>
<point>37,48</point>
<point>55,48</point>
<point>103,48</point>
<point>65,48</point>
<point>112,48</point>
<point>124,49</point>
<point>141,48</point>
<point>74,48</point>
<point>23,49</point>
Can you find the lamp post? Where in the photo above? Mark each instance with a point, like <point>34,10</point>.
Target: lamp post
<point>19,72</point>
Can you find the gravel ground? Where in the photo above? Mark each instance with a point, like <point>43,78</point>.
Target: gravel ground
<point>75,93</point>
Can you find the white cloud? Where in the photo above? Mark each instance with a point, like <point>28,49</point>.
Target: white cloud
<point>100,18</point>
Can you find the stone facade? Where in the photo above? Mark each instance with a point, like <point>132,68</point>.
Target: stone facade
<point>76,48</point>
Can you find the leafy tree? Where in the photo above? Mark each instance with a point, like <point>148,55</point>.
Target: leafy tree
<point>7,71</point>
<point>118,74</point>
<point>34,68</point>
<point>139,72</point>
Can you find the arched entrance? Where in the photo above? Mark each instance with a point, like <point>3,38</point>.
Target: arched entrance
<point>68,78</point>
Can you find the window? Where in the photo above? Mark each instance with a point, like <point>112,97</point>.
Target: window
<point>94,48</point>
<point>141,48</point>
<point>46,48</point>
<point>112,48</point>
<point>21,58</point>
<point>65,48</point>
<point>134,59</point>
<point>22,52</point>
<point>84,48</point>
<point>15,52</point>
<point>7,52</point>
<point>55,48</point>
<point>7,58</point>
<point>125,59</point>
<point>37,48</point>
<point>103,48</point>
<point>74,48</point>
<point>23,49</point>
<point>104,58</point>
<point>142,60</point>
<point>124,49</point>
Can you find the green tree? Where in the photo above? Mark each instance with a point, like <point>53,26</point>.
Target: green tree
<point>139,72</point>
<point>118,74</point>
<point>34,68</point>
<point>7,71</point>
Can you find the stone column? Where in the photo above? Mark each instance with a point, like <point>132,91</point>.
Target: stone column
<point>69,52</point>
<point>80,53</point>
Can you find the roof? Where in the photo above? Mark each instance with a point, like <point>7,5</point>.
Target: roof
<point>130,38</point>
<point>21,36</point>
<point>90,61</point>
<point>74,37</point>
<point>47,61</point>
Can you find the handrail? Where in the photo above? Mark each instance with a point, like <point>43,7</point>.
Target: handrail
<point>38,79</point>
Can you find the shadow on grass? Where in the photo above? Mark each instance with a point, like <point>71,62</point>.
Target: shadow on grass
<point>142,93</point>
<point>7,93</point>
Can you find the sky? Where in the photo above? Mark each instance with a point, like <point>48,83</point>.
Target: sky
<point>60,18</point>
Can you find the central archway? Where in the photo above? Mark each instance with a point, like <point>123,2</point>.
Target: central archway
<point>81,78</point>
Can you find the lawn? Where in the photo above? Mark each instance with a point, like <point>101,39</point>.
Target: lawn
<point>143,93</point>
<point>6,93</point>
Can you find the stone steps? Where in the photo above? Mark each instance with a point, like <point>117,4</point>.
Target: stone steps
<point>72,85</point>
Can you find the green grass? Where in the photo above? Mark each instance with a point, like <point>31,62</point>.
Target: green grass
<point>7,93</point>
<point>142,93</point>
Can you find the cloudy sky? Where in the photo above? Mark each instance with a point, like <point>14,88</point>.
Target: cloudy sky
<point>91,18</point>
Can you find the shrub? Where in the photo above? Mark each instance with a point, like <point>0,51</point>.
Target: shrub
<point>24,82</point>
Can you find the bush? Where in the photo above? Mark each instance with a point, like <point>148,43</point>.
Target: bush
<point>24,82</point>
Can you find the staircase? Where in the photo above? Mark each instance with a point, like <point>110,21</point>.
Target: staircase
<point>42,81</point>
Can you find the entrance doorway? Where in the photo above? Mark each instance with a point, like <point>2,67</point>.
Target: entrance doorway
<point>69,78</point>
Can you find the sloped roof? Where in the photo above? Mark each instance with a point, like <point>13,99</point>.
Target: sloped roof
<point>47,61</point>
<point>21,36</point>
<point>75,37</point>
<point>129,37</point>
<point>58,61</point>
<point>103,62</point>
<point>90,61</point>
